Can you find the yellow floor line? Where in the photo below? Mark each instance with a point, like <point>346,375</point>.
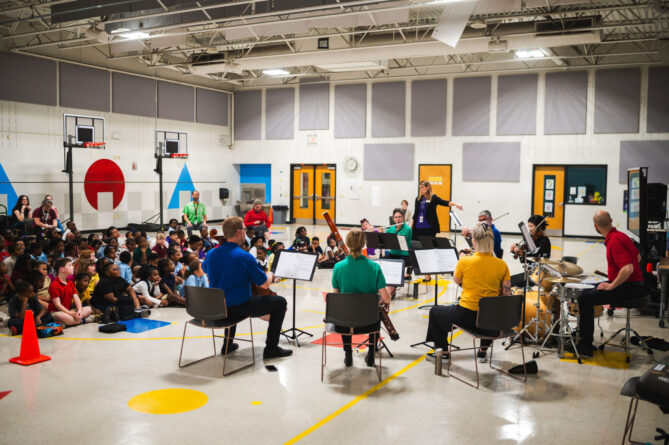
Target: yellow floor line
<point>359,398</point>
<point>556,247</point>
<point>313,312</point>
<point>578,255</point>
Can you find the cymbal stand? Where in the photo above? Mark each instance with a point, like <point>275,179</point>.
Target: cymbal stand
<point>563,331</point>
<point>535,321</point>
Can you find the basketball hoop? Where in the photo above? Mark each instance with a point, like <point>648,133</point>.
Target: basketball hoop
<point>98,145</point>
<point>179,155</point>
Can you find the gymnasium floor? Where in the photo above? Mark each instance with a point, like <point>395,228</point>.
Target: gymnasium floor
<point>124,388</point>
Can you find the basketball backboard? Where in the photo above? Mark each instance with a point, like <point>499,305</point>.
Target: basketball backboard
<point>171,144</point>
<point>83,130</point>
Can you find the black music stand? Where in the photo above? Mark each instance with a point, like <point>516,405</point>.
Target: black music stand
<point>295,267</point>
<point>432,269</point>
<point>389,269</point>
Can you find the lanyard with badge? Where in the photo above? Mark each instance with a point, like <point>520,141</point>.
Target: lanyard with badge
<point>423,207</point>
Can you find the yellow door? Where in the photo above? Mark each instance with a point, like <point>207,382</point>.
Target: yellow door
<point>549,196</point>
<point>303,191</point>
<point>325,192</point>
<point>440,179</point>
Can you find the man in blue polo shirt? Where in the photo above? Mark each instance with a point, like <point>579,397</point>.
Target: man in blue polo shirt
<point>486,217</point>
<point>232,269</point>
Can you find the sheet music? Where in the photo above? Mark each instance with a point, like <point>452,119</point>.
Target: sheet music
<point>531,247</point>
<point>436,260</point>
<point>403,243</point>
<point>296,265</point>
<point>393,271</point>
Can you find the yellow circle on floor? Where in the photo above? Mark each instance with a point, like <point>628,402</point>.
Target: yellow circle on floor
<point>168,401</point>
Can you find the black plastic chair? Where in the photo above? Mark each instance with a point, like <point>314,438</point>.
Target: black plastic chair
<point>636,303</point>
<point>570,259</point>
<point>497,316</point>
<point>208,309</point>
<point>352,311</point>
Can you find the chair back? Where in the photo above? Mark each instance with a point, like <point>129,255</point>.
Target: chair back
<point>352,310</point>
<point>205,303</point>
<point>415,244</point>
<point>570,259</point>
<point>499,313</point>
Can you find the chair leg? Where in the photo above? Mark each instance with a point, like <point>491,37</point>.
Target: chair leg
<point>323,354</point>
<point>183,338</point>
<point>253,355</point>
<point>629,423</point>
<point>476,362</point>
<point>522,352</point>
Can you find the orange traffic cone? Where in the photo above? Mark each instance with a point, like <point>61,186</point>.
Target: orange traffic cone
<point>29,346</point>
<point>271,216</point>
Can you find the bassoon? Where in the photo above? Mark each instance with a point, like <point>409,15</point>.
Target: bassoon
<point>383,307</point>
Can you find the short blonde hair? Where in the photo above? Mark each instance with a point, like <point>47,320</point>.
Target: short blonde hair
<point>485,240</point>
<point>231,225</point>
<point>160,235</point>
<point>355,240</point>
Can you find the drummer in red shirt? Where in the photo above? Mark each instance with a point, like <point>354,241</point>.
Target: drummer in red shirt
<point>257,219</point>
<point>625,279</point>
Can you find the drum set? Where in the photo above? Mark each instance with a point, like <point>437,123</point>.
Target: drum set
<point>550,303</point>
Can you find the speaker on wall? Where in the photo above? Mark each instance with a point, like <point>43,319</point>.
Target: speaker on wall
<point>657,201</point>
<point>223,193</point>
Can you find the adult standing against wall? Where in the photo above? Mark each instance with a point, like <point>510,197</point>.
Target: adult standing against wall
<point>195,214</point>
<point>257,218</point>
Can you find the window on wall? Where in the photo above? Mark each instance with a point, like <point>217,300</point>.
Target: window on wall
<point>586,184</point>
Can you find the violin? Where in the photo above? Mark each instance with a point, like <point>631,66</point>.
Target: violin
<point>521,246</point>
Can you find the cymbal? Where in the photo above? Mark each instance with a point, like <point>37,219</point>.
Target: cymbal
<point>548,261</point>
<point>563,280</point>
<point>566,269</point>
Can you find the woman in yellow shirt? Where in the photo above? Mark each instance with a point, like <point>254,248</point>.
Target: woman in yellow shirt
<point>480,275</point>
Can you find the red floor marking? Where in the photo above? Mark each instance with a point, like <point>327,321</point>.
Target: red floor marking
<point>336,338</point>
<point>3,394</point>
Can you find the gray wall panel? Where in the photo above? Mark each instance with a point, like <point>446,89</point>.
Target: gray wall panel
<point>491,161</point>
<point>280,113</point>
<point>428,107</point>
<point>565,106</point>
<point>133,95</point>
<point>211,107</point>
<point>176,102</point>
<point>658,100</point>
<point>471,106</point>
<point>350,111</point>
<point>248,110</point>
<point>315,106</point>
<point>388,109</point>
<point>83,87</point>
<point>651,154</point>
<point>517,104</point>
<point>393,162</point>
<point>617,95</point>
<point>27,79</point>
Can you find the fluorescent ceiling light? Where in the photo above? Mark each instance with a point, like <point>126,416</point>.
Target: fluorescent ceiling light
<point>353,66</point>
<point>118,30</point>
<point>276,72</point>
<point>535,53</point>
<point>134,35</point>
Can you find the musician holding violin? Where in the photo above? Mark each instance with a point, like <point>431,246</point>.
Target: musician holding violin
<point>357,274</point>
<point>486,217</point>
<point>537,227</point>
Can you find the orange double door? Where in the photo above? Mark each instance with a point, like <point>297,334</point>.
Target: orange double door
<point>313,192</point>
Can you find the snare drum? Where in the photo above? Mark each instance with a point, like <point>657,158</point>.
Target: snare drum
<point>574,290</point>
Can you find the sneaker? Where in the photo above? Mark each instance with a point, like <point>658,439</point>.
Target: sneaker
<point>276,352</point>
<point>142,312</point>
<point>431,356</point>
<point>348,358</point>
<point>482,355</point>
<point>90,319</point>
<point>232,348</point>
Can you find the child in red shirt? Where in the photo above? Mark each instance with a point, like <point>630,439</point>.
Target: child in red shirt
<point>63,293</point>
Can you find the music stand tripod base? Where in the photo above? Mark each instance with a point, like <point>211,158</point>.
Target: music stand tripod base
<point>295,333</point>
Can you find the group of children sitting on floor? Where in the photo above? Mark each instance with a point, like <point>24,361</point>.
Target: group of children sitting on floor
<point>326,259</point>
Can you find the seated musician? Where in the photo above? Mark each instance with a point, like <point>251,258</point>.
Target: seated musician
<point>486,217</point>
<point>233,270</point>
<point>480,275</point>
<point>400,228</point>
<point>537,227</point>
<point>625,279</point>
<point>357,274</point>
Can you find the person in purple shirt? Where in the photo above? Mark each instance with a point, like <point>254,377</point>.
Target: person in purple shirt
<point>232,269</point>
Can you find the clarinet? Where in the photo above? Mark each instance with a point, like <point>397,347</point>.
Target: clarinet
<point>383,307</point>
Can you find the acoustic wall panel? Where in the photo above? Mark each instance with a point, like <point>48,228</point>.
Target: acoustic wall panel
<point>471,106</point>
<point>211,107</point>
<point>617,96</point>
<point>176,102</point>
<point>428,107</point>
<point>28,79</point>
<point>658,100</point>
<point>314,106</point>
<point>133,95</point>
<point>393,162</point>
<point>491,161</point>
<point>248,109</point>
<point>388,109</point>
<point>565,105</point>
<point>517,104</point>
<point>350,111</point>
<point>83,87</point>
<point>280,113</point>
<point>651,154</point>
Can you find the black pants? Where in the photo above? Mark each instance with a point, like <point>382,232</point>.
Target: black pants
<point>441,323</point>
<point>518,280</point>
<point>346,339</point>
<point>193,227</point>
<point>588,300</point>
<point>429,231</point>
<point>257,306</point>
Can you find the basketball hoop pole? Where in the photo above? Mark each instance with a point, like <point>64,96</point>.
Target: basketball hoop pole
<point>68,170</point>
<point>159,170</point>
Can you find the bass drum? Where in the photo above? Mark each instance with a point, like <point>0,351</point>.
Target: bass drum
<point>540,277</point>
<point>573,309</point>
<point>546,304</point>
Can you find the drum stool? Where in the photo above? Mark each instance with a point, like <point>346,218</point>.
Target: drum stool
<point>635,303</point>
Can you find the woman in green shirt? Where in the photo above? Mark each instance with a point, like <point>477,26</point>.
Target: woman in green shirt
<point>403,229</point>
<point>357,274</point>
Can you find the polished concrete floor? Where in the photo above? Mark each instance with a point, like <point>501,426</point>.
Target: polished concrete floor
<point>85,393</point>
